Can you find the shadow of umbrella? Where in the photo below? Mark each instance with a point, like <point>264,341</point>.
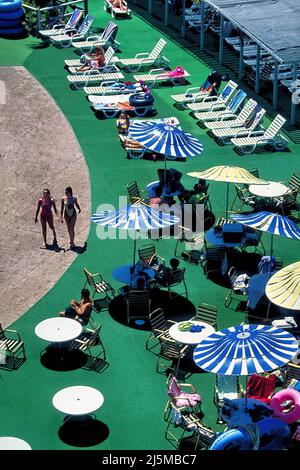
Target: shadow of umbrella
<point>177,309</point>
<point>83,432</point>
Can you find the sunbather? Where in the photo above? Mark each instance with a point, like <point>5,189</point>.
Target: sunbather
<point>80,311</point>
<point>93,61</point>
<point>118,4</point>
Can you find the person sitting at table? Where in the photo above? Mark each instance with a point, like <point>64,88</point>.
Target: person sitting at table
<point>156,196</point>
<point>80,311</point>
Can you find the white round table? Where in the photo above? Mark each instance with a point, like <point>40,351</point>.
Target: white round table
<point>58,329</point>
<point>188,337</point>
<point>78,400</point>
<point>13,443</point>
<point>272,189</point>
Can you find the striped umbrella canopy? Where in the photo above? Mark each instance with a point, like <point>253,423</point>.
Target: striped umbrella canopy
<point>269,222</point>
<point>283,288</point>
<point>245,350</point>
<point>165,139</point>
<point>227,174</point>
<point>135,217</point>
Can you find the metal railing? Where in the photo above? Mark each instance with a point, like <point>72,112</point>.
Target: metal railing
<point>39,11</point>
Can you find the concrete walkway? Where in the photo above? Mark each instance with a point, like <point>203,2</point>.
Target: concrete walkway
<point>38,149</point>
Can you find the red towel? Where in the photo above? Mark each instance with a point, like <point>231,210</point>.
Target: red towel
<point>260,387</point>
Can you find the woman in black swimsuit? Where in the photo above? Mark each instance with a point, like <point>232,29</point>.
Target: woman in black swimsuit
<point>68,204</point>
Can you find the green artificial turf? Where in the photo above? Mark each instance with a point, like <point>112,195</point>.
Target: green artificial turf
<point>135,395</point>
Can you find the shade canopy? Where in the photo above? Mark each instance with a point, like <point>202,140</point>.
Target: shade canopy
<point>269,222</point>
<point>139,217</point>
<point>135,217</point>
<point>245,350</point>
<point>283,288</point>
<point>165,139</point>
<point>274,24</point>
<point>227,174</point>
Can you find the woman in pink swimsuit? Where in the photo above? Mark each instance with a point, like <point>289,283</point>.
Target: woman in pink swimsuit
<point>68,204</point>
<point>44,207</point>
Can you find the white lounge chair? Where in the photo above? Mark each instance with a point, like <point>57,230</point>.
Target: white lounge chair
<point>114,11</point>
<point>233,120</point>
<point>109,87</point>
<point>109,65</point>
<point>222,99</point>
<point>120,104</point>
<point>67,39</point>
<point>271,136</point>
<point>218,110</point>
<point>92,76</point>
<point>61,28</point>
<point>146,58</point>
<point>224,135</point>
<point>161,75</point>
<point>192,95</point>
<point>107,38</point>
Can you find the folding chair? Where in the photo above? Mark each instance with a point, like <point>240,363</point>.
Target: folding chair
<point>207,313</point>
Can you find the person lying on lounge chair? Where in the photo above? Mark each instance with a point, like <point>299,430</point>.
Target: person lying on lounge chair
<point>95,60</point>
<point>118,4</point>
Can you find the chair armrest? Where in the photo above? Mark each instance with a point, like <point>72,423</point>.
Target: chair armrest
<point>218,106</point>
<point>182,385</point>
<point>90,38</point>
<point>145,55</point>
<point>194,88</point>
<point>59,26</point>
<point>210,98</point>
<point>156,70</point>
<point>107,82</point>
<point>13,332</point>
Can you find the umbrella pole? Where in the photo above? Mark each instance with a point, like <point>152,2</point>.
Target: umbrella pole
<point>271,253</point>
<point>227,197</point>
<point>133,261</point>
<point>165,173</point>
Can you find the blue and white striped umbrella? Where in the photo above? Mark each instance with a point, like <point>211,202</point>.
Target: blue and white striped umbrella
<point>165,139</point>
<point>137,217</point>
<point>245,350</point>
<point>269,222</point>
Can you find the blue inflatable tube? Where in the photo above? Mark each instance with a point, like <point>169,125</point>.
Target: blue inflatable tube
<point>10,5</point>
<point>10,23</point>
<point>11,15</point>
<point>274,434</point>
<point>11,31</point>
<point>234,439</point>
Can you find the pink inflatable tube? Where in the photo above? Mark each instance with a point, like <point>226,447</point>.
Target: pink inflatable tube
<point>288,394</point>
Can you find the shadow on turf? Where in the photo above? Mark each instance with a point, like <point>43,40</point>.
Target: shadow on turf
<point>178,308</point>
<point>83,432</point>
